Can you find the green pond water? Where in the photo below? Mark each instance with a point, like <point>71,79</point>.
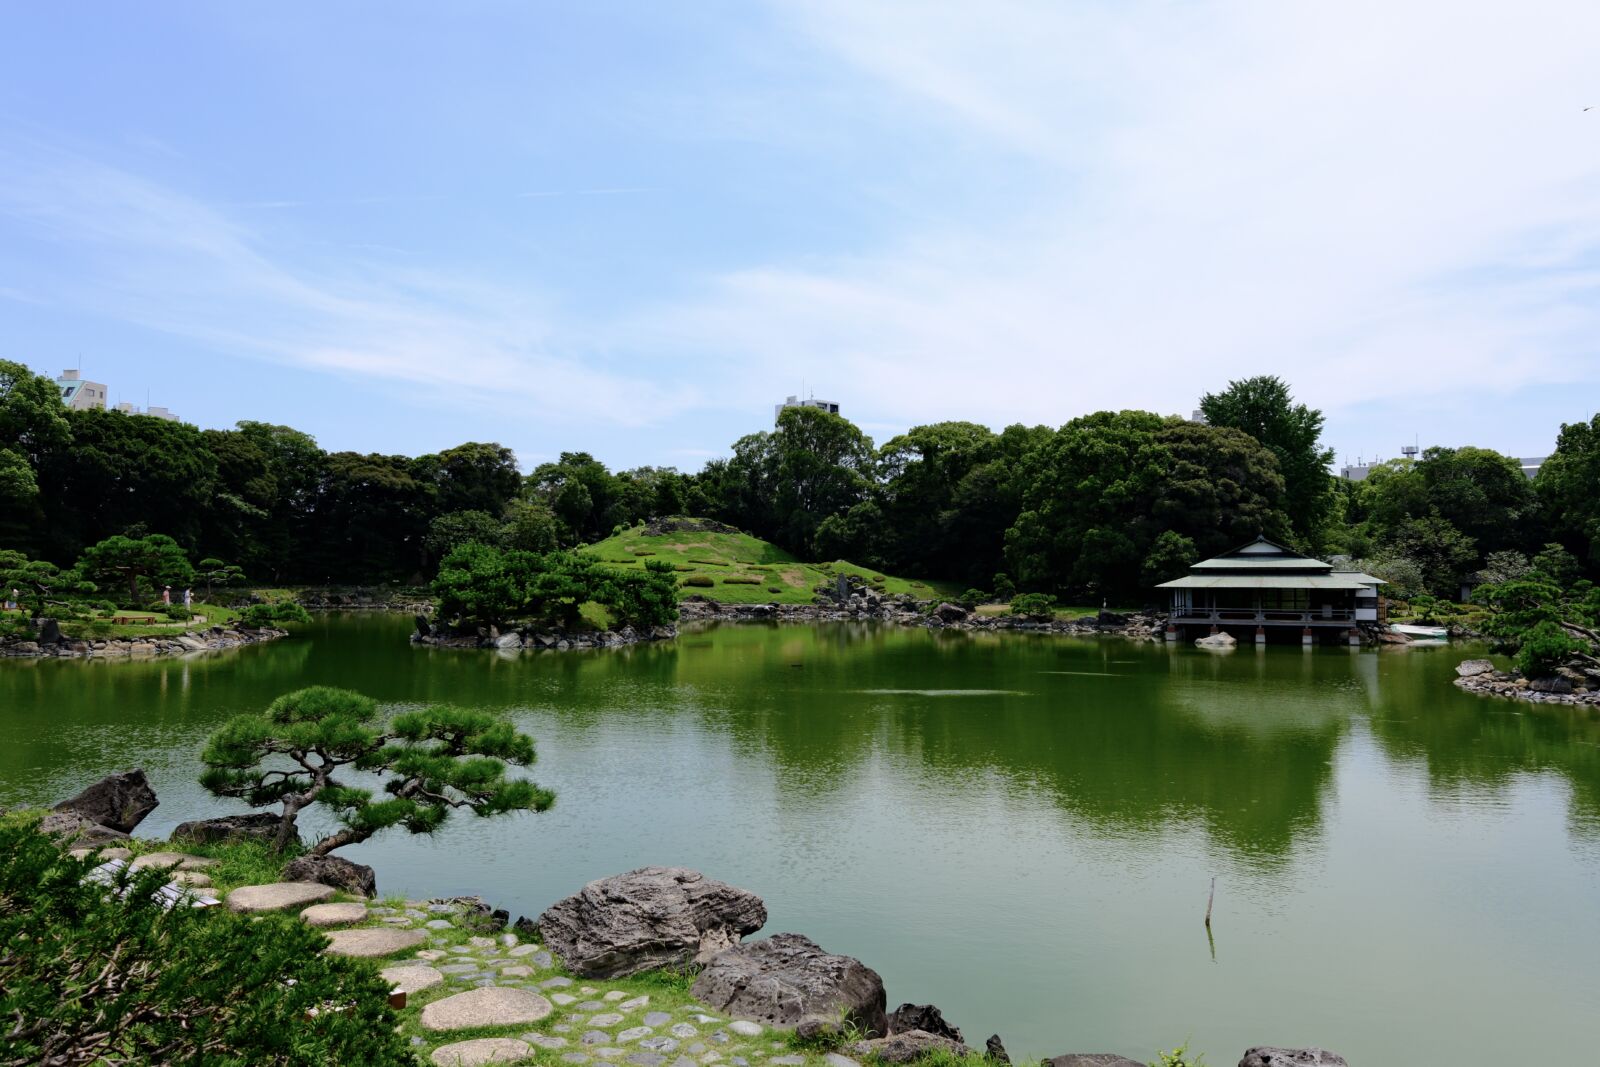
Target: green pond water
<point>1020,829</point>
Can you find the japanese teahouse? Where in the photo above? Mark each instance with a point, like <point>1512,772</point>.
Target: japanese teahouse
<point>1263,589</point>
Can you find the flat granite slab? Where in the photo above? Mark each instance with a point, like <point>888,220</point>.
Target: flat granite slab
<point>334,914</point>
<point>481,1051</point>
<point>486,1006</point>
<point>411,978</point>
<point>278,896</point>
<point>372,941</point>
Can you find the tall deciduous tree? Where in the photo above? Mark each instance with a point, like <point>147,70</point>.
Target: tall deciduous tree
<point>1264,408</point>
<point>1566,489</point>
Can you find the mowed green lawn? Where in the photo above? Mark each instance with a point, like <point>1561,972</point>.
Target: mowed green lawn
<point>761,572</point>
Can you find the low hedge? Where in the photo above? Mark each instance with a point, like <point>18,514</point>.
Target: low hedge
<point>700,581</point>
<point>101,973</point>
<point>740,579</point>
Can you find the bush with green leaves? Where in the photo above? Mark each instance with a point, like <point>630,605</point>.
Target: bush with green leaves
<point>1544,648</point>
<point>261,616</point>
<point>646,598</point>
<point>700,581</point>
<point>101,973</point>
<point>1033,605</point>
<point>45,589</point>
<point>433,761</point>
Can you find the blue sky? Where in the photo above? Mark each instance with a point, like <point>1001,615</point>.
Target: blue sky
<point>630,228</point>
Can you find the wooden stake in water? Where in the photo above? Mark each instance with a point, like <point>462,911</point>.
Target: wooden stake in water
<point>1211,900</point>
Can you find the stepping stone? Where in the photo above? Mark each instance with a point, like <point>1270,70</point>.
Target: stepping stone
<point>439,924</point>
<point>833,1059</point>
<point>489,1006</point>
<point>481,942</point>
<point>634,1033</point>
<point>545,1041</point>
<point>103,854</point>
<point>647,1059</point>
<point>788,1061</point>
<point>278,896</point>
<point>592,1005</point>
<point>745,1028</point>
<point>460,968</point>
<point>411,978</point>
<point>684,1030</point>
<point>563,999</point>
<point>181,860</point>
<point>516,972</point>
<point>660,1044</point>
<point>615,994</point>
<point>606,1019</point>
<point>657,1018</point>
<point>574,1057</point>
<point>371,941</point>
<point>555,983</point>
<point>198,878</point>
<point>430,954</point>
<point>523,950</point>
<point>610,1052</point>
<point>334,914</point>
<point>635,1003</point>
<point>683,1061</point>
<point>596,1037</point>
<point>481,1051</point>
<point>711,1057</point>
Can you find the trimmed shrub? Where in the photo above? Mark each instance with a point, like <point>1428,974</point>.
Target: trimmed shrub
<point>774,588</point>
<point>101,973</point>
<point>622,562</point>
<point>700,581</point>
<point>1544,648</point>
<point>740,579</point>
<point>683,566</point>
<point>261,616</point>
<point>644,552</point>
<point>1032,605</point>
<point>710,562</point>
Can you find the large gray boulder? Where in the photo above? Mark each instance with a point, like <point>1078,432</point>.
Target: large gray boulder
<point>335,871</point>
<point>787,979</point>
<point>924,1017</point>
<point>74,829</point>
<point>1471,668</point>
<point>906,1048</point>
<point>648,919</point>
<point>118,801</point>
<point>259,826</point>
<point>1291,1057</point>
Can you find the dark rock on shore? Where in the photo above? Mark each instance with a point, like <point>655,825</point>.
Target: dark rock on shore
<point>74,829</point>
<point>335,871</point>
<point>254,826</point>
<point>1291,1057</point>
<point>907,1047</point>
<point>995,1049</point>
<point>787,979</point>
<point>1566,686</point>
<point>118,801</point>
<point>648,919</point>
<point>924,1017</point>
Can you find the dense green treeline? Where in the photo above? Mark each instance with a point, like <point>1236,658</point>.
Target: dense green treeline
<point>1106,505</point>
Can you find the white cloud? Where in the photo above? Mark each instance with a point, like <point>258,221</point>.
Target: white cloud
<point>1376,200</point>
<point>152,256</point>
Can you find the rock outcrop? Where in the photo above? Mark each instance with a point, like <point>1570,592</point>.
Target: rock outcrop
<point>1566,686</point>
<point>647,919</point>
<point>118,801</point>
<point>906,1048</point>
<point>788,979</point>
<point>157,644</point>
<point>74,829</point>
<point>1291,1057</point>
<point>254,826</point>
<point>924,1017</point>
<point>335,871</point>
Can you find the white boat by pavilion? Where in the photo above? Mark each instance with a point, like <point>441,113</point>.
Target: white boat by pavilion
<point>1420,633</point>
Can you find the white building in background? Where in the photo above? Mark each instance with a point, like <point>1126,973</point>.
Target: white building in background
<point>809,402</point>
<point>1358,471</point>
<point>81,395</point>
<point>152,411</point>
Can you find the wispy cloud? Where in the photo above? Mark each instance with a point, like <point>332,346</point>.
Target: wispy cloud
<point>163,260</point>
<point>1376,200</point>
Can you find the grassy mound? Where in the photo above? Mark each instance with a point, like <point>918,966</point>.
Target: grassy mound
<point>735,568</point>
